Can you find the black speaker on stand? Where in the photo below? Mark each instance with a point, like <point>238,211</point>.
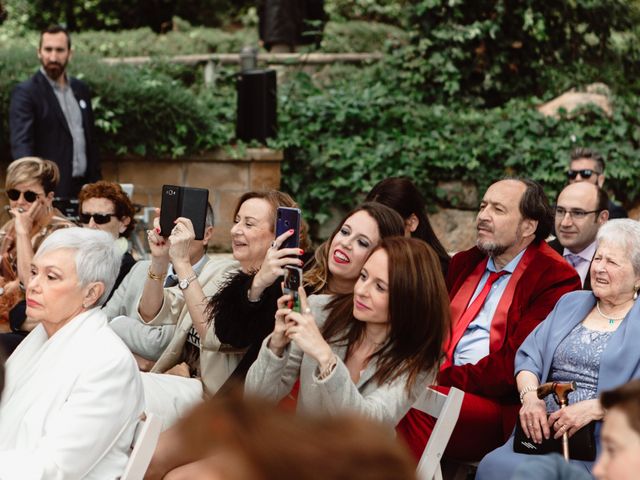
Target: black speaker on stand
<point>257,117</point>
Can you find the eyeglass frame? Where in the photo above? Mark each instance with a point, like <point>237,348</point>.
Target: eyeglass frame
<point>27,193</point>
<point>98,218</point>
<point>573,214</point>
<point>583,172</point>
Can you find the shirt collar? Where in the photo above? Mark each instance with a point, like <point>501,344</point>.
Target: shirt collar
<point>509,267</point>
<point>197,267</point>
<point>587,253</point>
<point>53,83</point>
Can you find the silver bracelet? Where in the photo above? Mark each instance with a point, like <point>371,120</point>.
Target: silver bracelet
<point>257,300</point>
<point>526,390</point>
<point>326,371</point>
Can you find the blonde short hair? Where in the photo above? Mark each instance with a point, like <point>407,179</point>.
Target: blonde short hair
<point>29,169</point>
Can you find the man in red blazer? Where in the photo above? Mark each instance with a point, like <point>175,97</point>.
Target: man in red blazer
<point>500,291</point>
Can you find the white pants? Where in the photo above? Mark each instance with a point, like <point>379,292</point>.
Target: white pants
<point>170,396</point>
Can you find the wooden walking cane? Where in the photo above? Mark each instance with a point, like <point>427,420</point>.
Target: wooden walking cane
<point>560,393</point>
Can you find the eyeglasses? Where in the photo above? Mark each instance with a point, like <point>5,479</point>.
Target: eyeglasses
<point>574,214</point>
<point>584,173</point>
<point>99,218</point>
<point>29,196</point>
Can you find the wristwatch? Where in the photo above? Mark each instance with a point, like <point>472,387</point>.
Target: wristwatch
<point>185,282</point>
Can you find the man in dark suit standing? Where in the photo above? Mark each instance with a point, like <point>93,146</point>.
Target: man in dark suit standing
<point>50,116</point>
<point>581,209</point>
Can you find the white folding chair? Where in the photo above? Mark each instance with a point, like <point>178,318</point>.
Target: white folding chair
<point>145,441</point>
<point>446,409</point>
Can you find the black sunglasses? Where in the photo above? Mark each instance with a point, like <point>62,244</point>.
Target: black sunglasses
<point>585,173</point>
<point>99,218</point>
<point>29,196</point>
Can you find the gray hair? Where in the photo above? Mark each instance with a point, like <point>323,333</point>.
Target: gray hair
<point>97,257</point>
<point>625,233</point>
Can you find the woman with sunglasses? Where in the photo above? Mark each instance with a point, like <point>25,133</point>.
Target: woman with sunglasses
<point>105,206</point>
<point>30,184</point>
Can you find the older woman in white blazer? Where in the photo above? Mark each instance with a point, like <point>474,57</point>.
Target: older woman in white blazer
<point>73,393</point>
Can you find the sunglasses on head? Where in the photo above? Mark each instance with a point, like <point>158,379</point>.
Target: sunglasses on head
<point>29,196</point>
<point>98,218</point>
<point>585,173</point>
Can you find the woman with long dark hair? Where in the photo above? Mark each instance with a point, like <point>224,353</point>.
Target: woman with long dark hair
<point>373,354</point>
<point>401,194</point>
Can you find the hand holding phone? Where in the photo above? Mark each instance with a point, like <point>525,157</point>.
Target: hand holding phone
<point>273,264</point>
<point>289,219</point>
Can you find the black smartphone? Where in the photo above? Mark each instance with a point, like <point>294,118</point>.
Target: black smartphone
<point>287,219</point>
<point>188,202</point>
<point>293,280</point>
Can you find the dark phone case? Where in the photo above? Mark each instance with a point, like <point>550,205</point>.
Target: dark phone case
<point>292,278</point>
<point>169,208</point>
<point>188,202</point>
<point>287,219</point>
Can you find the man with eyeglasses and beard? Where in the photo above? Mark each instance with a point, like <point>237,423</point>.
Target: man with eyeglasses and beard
<point>587,165</point>
<point>581,209</point>
<point>500,290</point>
<point>50,116</point>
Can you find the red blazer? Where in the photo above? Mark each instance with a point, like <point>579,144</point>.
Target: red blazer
<point>545,280</point>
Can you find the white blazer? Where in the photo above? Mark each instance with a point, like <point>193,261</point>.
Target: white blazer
<point>71,404</point>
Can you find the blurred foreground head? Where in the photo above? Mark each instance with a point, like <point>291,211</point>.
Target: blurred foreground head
<point>250,438</point>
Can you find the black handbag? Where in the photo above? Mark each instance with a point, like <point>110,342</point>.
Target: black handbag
<point>582,445</point>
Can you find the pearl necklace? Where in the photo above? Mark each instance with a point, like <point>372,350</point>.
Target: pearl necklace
<point>612,320</point>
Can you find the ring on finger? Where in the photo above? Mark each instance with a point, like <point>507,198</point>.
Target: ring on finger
<point>273,244</point>
<point>307,310</point>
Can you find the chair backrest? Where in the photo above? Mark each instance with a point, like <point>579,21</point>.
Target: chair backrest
<point>446,408</point>
<point>145,442</point>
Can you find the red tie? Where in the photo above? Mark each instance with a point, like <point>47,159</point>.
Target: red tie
<point>470,313</point>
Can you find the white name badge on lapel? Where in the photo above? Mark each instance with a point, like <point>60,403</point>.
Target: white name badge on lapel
<point>82,104</point>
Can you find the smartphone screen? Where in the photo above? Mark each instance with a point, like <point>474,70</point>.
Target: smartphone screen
<point>293,280</point>
<point>288,219</point>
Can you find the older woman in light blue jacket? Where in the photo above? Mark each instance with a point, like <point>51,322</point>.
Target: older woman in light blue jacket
<point>590,338</point>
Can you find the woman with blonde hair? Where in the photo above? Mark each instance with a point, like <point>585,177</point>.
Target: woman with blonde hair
<point>30,186</point>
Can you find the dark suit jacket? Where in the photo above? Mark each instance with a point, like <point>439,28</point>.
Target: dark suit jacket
<point>555,244</point>
<point>616,211</point>
<point>545,280</point>
<point>39,128</point>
